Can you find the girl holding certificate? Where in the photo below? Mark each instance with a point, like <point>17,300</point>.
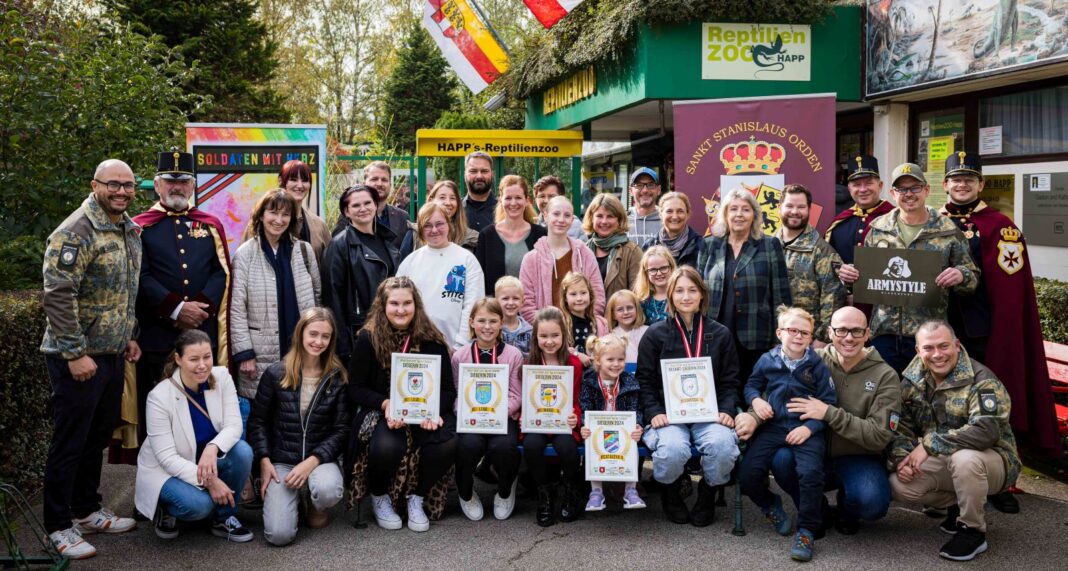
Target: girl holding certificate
<point>502,450</point>
<point>689,334</point>
<point>608,386</point>
<point>299,427</point>
<point>550,347</point>
<point>398,323</point>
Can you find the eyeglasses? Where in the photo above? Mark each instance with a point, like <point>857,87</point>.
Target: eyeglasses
<point>854,332</point>
<point>660,270</point>
<point>796,332</point>
<point>114,185</point>
<point>644,185</point>
<point>910,189</point>
<point>438,226</point>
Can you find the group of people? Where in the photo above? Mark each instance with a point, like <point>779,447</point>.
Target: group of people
<point>266,377</point>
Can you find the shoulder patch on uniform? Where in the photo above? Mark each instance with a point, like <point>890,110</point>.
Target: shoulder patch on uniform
<point>988,402</point>
<point>68,255</point>
<point>893,420</point>
<point>869,386</point>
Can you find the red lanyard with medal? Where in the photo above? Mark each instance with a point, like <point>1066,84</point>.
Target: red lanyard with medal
<point>476,354</point>
<point>609,394</point>
<point>695,352</point>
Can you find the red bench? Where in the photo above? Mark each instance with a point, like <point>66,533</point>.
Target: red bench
<point>1057,361</point>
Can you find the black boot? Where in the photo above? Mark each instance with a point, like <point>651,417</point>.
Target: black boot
<point>569,504</point>
<point>704,510</point>
<point>545,514</point>
<point>671,500</point>
<point>1005,502</point>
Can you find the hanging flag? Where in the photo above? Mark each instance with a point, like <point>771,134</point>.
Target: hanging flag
<point>466,42</point>
<point>549,12</point>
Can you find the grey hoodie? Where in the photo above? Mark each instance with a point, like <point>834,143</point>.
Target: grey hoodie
<point>643,230</point>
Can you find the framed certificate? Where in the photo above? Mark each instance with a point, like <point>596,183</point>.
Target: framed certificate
<point>689,390</point>
<point>547,399</point>
<point>483,402</point>
<point>611,455</point>
<point>415,391</point>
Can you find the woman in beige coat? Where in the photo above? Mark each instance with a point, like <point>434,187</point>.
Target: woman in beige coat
<point>275,278</point>
<point>618,258</point>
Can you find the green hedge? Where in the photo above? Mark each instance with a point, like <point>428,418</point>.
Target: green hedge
<point>1053,309</point>
<point>25,393</point>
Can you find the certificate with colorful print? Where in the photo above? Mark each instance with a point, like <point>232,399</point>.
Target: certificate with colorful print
<point>415,390</point>
<point>611,454</point>
<point>689,390</point>
<point>547,399</point>
<point>483,402</point>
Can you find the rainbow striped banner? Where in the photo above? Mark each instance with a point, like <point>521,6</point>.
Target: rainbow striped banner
<point>549,12</point>
<point>236,163</point>
<point>466,41</point>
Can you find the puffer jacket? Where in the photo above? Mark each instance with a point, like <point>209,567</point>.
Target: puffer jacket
<point>276,429</point>
<point>774,382</point>
<point>351,274</point>
<point>591,397</point>
<point>254,305</point>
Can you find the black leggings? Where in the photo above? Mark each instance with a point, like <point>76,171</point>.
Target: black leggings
<point>387,449</point>
<point>502,451</point>
<point>566,451</point>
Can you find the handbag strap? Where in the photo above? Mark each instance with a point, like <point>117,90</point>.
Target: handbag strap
<point>182,390</point>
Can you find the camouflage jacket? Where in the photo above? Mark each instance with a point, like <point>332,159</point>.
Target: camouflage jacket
<point>91,271</point>
<point>812,266</point>
<point>940,235</point>
<point>969,410</point>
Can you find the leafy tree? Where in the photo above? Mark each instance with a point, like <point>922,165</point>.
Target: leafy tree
<point>418,91</point>
<point>74,90</point>
<point>235,55</point>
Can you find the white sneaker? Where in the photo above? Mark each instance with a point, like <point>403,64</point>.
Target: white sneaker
<point>472,508</point>
<point>69,543</point>
<point>417,520</point>
<point>503,507</point>
<point>385,515</point>
<point>103,521</point>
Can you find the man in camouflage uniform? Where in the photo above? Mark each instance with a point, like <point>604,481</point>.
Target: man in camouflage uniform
<point>91,270</point>
<point>954,445</point>
<point>914,226</point>
<point>810,262</point>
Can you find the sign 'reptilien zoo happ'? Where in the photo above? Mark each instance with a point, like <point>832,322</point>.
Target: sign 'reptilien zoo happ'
<point>766,52</point>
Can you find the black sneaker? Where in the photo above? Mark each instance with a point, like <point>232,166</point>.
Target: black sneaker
<point>231,530</point>
<point>965,545</point>
<point>166,525</point>
<point>1005,502</point>
<point>949,525</point>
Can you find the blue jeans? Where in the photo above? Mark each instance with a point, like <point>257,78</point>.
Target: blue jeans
<point>862,483</point>
<point>245,406</point>
<point>670,445</point>
<point>808,460</point>
<point>896,350</point>
<point>190,503</point>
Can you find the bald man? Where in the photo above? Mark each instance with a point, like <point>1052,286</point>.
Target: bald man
<point>92,266</point>
<point>861,424</point>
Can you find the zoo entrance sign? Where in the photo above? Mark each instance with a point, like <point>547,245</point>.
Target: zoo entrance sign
<point>765,52</point>
<point>497,143</point>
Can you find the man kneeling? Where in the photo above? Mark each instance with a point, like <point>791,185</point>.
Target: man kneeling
<point>954,446</point>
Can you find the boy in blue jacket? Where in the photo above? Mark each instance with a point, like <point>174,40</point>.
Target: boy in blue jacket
<point>789,370</point>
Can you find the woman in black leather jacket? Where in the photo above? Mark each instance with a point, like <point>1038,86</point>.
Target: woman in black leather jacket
<point>356,261</point>
<point>299,427</point>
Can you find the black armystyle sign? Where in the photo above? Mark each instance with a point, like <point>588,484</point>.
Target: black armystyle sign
<point>898,277</point>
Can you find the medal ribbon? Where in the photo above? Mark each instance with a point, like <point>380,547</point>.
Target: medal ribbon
<point>696,352</point>
<point>476,354</point>
<point>609,394</point>
<point>407,340</point>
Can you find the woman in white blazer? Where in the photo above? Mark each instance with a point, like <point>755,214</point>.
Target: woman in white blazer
<point>194,457</point>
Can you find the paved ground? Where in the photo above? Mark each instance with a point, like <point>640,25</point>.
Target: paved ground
<point>1036,539</point>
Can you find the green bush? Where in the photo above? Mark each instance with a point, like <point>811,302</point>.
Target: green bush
<point>1053,309</point>
<point>25,392</point>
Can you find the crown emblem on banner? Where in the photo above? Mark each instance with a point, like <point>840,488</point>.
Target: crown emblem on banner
<point>1010,234</point>
<point>752,157</point>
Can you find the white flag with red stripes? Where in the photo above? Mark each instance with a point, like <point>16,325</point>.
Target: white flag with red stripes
<point>467,43</point>
<point>549,12</point>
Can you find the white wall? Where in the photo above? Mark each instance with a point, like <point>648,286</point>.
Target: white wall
<point>1046,261</point>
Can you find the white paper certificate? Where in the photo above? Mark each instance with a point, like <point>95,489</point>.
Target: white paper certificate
<point>415,393</point>
<point>689,390</point>
<point>483,407</point>
<point>611,455</point>
<point>547,399</point>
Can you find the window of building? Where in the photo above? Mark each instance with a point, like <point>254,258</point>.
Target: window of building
<point>1032,122</point>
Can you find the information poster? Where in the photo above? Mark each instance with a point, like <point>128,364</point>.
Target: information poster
<point>689,390</point>
<point>547,399</point>
<point>483,403</point>
<point>415,391</point>
<point>611,454</point>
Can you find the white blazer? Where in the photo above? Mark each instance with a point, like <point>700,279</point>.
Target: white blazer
<point>171,447</point>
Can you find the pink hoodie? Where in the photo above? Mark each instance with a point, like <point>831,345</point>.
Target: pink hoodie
<point>536,273</point>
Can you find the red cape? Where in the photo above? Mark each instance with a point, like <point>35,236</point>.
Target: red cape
<point>156,213</point>
<point>1014,351</point>
<point>883,207</point>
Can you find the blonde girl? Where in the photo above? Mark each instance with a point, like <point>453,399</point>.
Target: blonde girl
<point>576,298</point>
<point>626,319</point>
<point>651,285</point>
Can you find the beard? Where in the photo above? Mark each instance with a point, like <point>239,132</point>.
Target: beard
<point>794,223</point>
<point>175,202</point>
<point>478,187</point>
